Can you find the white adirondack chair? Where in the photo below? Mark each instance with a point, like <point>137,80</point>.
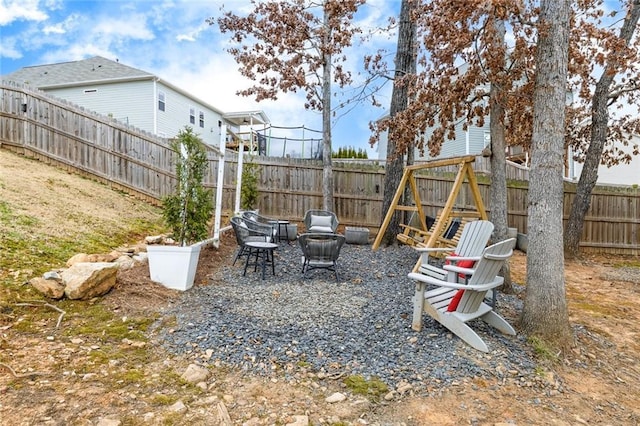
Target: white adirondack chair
<point>473,240</point>
<point>453,308</point>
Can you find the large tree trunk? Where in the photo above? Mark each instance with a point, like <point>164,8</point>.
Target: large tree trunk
<point>599,121</point>
<point>545,308</point>
<point>498,188</point>
<point>327,168</point>
<point>405,64</point>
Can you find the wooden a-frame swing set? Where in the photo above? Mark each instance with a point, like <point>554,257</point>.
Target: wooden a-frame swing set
<point>452,303</point>
<point>433,236</point>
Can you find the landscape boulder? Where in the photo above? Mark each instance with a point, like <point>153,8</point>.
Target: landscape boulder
<point>86,280</point>
<point>125,262</point>
<point>50,288</point>
<point>95,275</point>
<point>195,374</point>
<point>93,258</point>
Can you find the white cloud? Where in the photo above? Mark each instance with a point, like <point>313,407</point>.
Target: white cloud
<point>192,35</point>
<point>8,49</point>
<point>185,37</point>
<point>79,37</point>
<point>54,29</point>
<point>15,10</point>
<point>75,52</point>
<point>132,26</point>
<point>63,27</point>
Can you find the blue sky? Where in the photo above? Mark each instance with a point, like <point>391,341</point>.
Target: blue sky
<point>171,39</point>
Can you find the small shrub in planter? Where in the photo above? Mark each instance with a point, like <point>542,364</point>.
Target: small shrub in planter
<point>249,189</point>
<point>187,212</point>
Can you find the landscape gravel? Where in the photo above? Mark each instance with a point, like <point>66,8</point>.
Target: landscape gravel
<point>359,325</point>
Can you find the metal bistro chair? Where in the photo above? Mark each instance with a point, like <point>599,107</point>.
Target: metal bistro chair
<point>249,231</point>
<point>321,251</point>
<point>323,221</point>
<point>263,220</point>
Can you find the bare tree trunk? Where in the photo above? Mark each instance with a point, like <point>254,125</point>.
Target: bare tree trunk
<point>498,188</point>
<point>545,308</point>
<point>599,130</point>
<point>405,63</point>
<point>327,168</point>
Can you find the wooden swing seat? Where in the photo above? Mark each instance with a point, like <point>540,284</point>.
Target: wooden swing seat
<point>416,237</point>
<point>412,235</point>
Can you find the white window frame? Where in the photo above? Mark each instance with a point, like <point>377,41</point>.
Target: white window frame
<point>162,101</point>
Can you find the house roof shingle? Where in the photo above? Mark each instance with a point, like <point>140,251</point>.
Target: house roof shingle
<point>92,70</point>
<point>97,70</point>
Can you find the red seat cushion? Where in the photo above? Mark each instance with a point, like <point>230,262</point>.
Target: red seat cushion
<point>455,300</point>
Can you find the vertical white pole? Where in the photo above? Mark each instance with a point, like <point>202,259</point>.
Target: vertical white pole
<point>239,176</point>
<point>466,143</point>
<point>219,187</point>
<point>252,135</point>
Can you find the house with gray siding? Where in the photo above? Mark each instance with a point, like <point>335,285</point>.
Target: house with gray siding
<point>627,174</point>
<point>466,142</point>
<point>473,140</point>
<point>133,97</point>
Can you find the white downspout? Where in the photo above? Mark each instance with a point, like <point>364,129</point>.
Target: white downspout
<point>571,172</point>
<point>251,133</point>
<point>466,142</point>
<point>155,106</point>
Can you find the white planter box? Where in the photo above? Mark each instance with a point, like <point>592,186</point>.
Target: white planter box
<point>173,266</point>
<point>354,235</point>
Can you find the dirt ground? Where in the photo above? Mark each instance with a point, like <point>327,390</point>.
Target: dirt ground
<point>46,376</point>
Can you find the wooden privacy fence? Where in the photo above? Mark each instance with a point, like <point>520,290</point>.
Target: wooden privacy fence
<point>66,135</point>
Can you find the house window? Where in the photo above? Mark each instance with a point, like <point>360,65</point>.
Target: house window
<point>192,115</point>
<point>202,119</point>
<point>161,101</point>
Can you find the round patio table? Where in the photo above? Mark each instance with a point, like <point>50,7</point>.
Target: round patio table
<point>263,254</point>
